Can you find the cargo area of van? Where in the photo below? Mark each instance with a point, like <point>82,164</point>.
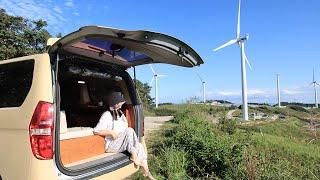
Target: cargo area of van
<point>84,88</point>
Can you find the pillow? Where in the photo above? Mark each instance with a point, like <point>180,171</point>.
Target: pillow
<point>63,122</point>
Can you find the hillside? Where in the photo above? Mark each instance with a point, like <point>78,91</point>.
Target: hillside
<point>191,146</point>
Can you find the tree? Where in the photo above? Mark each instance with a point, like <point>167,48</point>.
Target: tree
<point>143,90</point>
<point>20,36</point>
<point>59,35</point>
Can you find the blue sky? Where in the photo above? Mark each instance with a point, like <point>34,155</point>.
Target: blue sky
<point>284,38</point>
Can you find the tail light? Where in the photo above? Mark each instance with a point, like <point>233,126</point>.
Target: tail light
<point>41,131</point>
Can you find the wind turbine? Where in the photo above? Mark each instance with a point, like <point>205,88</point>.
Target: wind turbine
<point>240,41</point>
<point>278,90</point>
<point>315,84</point>
<point>155,78</point>
<point>203,88</point>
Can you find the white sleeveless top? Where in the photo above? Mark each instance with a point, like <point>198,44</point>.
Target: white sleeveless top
<point>106,122</point>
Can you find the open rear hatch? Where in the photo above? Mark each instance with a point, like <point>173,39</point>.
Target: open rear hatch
<point>127,48</point>
<point>79,152</point>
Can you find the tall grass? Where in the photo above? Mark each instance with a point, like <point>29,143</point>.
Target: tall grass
<point>192,147</point>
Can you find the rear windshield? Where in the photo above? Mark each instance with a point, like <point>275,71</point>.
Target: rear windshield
<point>15,82</point>
<point>104,46</point>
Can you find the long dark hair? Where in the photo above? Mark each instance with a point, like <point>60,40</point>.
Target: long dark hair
<point>115,113</point>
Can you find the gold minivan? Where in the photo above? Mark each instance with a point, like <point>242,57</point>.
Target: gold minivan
<point>50,102</point>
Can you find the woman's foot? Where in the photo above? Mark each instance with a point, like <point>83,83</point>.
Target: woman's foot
<point>149,176</point>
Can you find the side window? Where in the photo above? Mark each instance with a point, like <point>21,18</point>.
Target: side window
<point>15,82</point>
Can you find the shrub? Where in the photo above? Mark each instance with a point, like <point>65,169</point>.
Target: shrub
<point>175,163</point>
<point>297,108</point>
<point>207,154</point>
<point>164,112</point>
<point>228,125</point>
<point>191,147</point>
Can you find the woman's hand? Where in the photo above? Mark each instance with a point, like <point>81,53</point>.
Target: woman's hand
<point>114,135</point>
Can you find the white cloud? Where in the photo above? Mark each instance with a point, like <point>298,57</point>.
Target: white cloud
<point>297,90</point>
<point>229,93</point>
<point>257,92</point>
<point>290,92</point>
<point>268,92</point>
<point>57,9</point>
<point>209,92</point>
<point>238,93</point>
<point>76,13</point>
<point>69,3</point>
<point>301,93</point>
<point>35,9</point>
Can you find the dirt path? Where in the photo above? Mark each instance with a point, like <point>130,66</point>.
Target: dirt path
<point>154,123</point>
<point>229,114</point>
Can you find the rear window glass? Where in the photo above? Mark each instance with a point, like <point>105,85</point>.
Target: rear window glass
<point>109,48</point>
<point>15,82</point>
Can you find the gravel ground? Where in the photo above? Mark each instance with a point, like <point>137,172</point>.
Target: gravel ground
<point>154,123</point>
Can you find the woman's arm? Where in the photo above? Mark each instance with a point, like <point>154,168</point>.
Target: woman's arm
<point>108,133</point>
<point>104,126</point>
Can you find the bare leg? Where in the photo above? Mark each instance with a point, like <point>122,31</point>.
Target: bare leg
<point>134,157</point>
<point>143,142</point>
<point>128,141</point>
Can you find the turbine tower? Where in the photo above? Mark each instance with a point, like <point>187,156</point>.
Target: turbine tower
<point>155,78</point>
<point>240,41</point>
<point>278,90</point>
<point>315,84</point>
<point>203,89</point>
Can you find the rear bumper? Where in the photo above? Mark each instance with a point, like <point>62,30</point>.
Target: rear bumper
<point>120,173</point>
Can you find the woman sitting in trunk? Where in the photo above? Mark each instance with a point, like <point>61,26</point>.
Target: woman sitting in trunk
<point>119,137</point>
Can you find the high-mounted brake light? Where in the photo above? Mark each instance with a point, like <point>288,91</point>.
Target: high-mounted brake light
<point>41,131</point>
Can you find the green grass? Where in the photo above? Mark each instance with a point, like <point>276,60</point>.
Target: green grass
<point>277,157</point>
<point>291,128</point>
<point>192,147</point>
<point>148,112</point>
<point>171,110</point>
<point>284,149</point>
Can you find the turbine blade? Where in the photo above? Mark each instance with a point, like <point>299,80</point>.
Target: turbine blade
<point>226,44</point>
<point>161,75</point>
<point>152,80</point>
<point>247,61</point>
<point>200,77</point>
<point>153,71</point>
<point>313,76</point>
<point>245,57</point>
<point>238,23</point>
